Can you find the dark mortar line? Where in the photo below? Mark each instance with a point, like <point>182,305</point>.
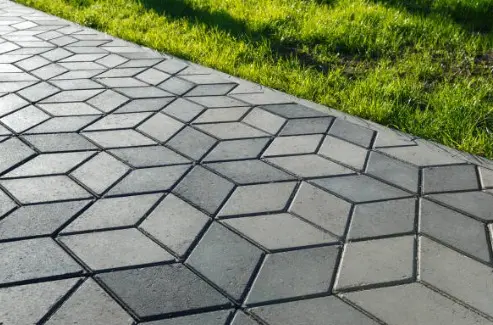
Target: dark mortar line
<point>378,237</point>
<point>159,243</point>
<point>43,279</point>
<point>360,309</point>
<point>90,231</point>
<point>463,212</point>
<point>417,241</point>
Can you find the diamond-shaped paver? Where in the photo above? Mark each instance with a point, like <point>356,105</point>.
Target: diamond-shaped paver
<point>150,156</point>
<point>226,259</point>
<point>250,171</point>
<point>101,215</point>
<point>293,145</point>
<point>294,273</point>
<point>160,127</point>
<point>118,121</point>
<point>63,124</point>
<point>195,187</point>
<point>71,84</point>
<point>29,303</point>
<point>24,119</point>
<point>68,96</point>
<point>144,105</point>
<point>237,149</point>
<point>309,165</point>
<point>216,101</point>
<point>69,109</point>
<point>352,132</point>
<point>119,138</point>
<point>153,76</point>
<point>175,223</point>
<point>90,304</point>
<point>393,171</point>
<point>306,126</point>
<point>475,203</point>
<point>13,152</point>
<point>183,110</point>
<point>59,142</point>
<point>107,100</point>
<point>34,259</point>
<point>344,152</point>
<point>116,248</point>
<point>176,85</point>
<point>10,103</point>
<point>258,198</point>
<point>231,130</point>
<point>450,178</point>
<point>264,120</point>
<point>376,261</point>
<point>191,143</point>
<point>44,189</point>
<point>221,115</point>
<point>121,82</point>
<point>143,92</point>
<point>162,290</point>
<point>278,231</point>
<point>293,110</point>
<point>211,90</point>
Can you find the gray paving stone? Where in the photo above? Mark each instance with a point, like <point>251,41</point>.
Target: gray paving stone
<point>344,152</point>
<point>120,72</point>
<point>101,215</point>
<point>175,224</point>
<point>144,105</point>
<point>77,74</point>
<point>49,71</point>
<point>195,187</point>
<point>293,145</point>
<point>237,149</point>
<point>34,259</point>
<point>226,259</point>
<point>59,142</point>
<point>183,110</point>
<point>376,261</point>
<point>455,229</point>
<point>153,179</point>
<point>264,120</point>
<point>10,103</point>
<point>153,76</point>
<point>56,54</point>
<point>69,109</point>
<point>258,198</point>
<point>27,304</point>
<point>100,172</point>
<point>229,114</point>
<point>151,156</point>
<point>139,62</point>
<point>68,96</point>
<point>83,57</point>
<point>352,132</point>
<point>143,92</point>
<point>171,66</point>
<point>121,82</point>
<point>293,110</point>
<point>63,124</point>
<point>243,319</point>
<point>393,171</point>
<point>90,304</point>
<point>13,152</point>
<point>116,248</point>
<point>321,208</point>
<point>231,130</point>
<point>216,101</point>
<point>51,163</point>
<point>32,63</point>
<point>161,127</point>
<point>6,205</point>
<point>24,118</point>
<point>249,171</point>
<point>414,304</point>
<point>486,177</point>
<point>38,220</point>
<point>191,143</point>
<point>118,121</point>
<point>119,138</point>
<point>424,154</point>
<point>450,178</point>
<point>176,86</point>
<point>44,189</point>
<point>161,290</point>
<point>456,275</point>
<point>8,87</point>
<point>382,218</point>
<point>474,203</point>
<point>315,311</point>
<point>212,318</point>
<point>81,66</point>
<point>360,188</point>
<point>294,274</point>
<point>278,231</point>
<point>306,126</point>
<point>107,100</point>
<point>211,90</point>
<point>111,61</point>
<point>309,165</point>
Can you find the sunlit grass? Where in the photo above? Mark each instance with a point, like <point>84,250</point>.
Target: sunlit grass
<point>421,66</point>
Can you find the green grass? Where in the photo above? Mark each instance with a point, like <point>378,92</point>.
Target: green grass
<point>421,66</point>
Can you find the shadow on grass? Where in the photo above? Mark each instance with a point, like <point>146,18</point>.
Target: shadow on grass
<point>474,16</point>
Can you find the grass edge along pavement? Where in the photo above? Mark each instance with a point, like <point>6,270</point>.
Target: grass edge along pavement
<point>422,67</point>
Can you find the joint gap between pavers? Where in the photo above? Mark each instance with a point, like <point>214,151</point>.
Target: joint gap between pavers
<point>232,313</point>
<point>44,279</point>
<point>429,198</point>
<point>417,241</point>
<point>56,306</point>
<point>131,267</point>
<point>346,140</point>
<point>311,223</point>
<point>291,197</point>
<point>361,310</point>
<point>249,215</point>
<point>157,242</point>
<point>70,220</point>
<point>456,300</point>
<point>396,146</point>
<point>252,279</point>
<point>90,231</point>
<point>451,191</point>
<point>12,167</point>
<point>393,235</point>
<point>290,299</point>
<point>300,248</point>
<point>378,285</point>
<point>489,240</point>
<point>186,312</point>
<point>195,241</point>
<point>240,234</point>
<point>74,256</point>
<point>455,249</point>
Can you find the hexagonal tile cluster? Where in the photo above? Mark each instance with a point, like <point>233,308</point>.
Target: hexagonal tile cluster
<point>136,188</point>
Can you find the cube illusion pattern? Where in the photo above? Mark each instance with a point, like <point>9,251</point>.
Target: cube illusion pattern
<point>136,188</point>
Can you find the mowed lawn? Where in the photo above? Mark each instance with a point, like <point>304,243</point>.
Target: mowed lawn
<point>421,66</point>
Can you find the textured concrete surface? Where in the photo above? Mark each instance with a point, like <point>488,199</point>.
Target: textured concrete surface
<point>136,188</point>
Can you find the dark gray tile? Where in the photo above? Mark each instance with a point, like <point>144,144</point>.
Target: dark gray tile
<point>455,229</point>
<point>315,311</point>
<point>162,290</point>
<point>383,218</point>
<point>376,261</point>
<point>293,110</point>
<point>450,178</point>
<point>175,223</point>
<point>475,203</point>
<point>101,215</point>
<point>150,156</point>
<point>195,187</point>
<point>250,171</point>
<point>237,149</point>
<point>13,152</point>
<point>183,110</point>
<point>280,231</point>
<point>216,101</point>
<point>360,188</point>
<point>258,198</point>
<point>226,259</point>
<point>352,132</point>
<point>309,165</point>
<point>144,105</point>
<point>107,100</point>
<point>63,124</point>
<point>290,145</point>
<point>153,76</point>
<point>393,171</point>
<point>90,304</point>
<point>116,248</point>
<point>211,90</point>
<point>34,259</point>
<point>160,127</point>
<point>59,142</point>
<point>171,66</point>
<point>344,152</point>
<point>306,126</point>
<point>307,271</point>
<point>191,143</point>
<point>149,180</point>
